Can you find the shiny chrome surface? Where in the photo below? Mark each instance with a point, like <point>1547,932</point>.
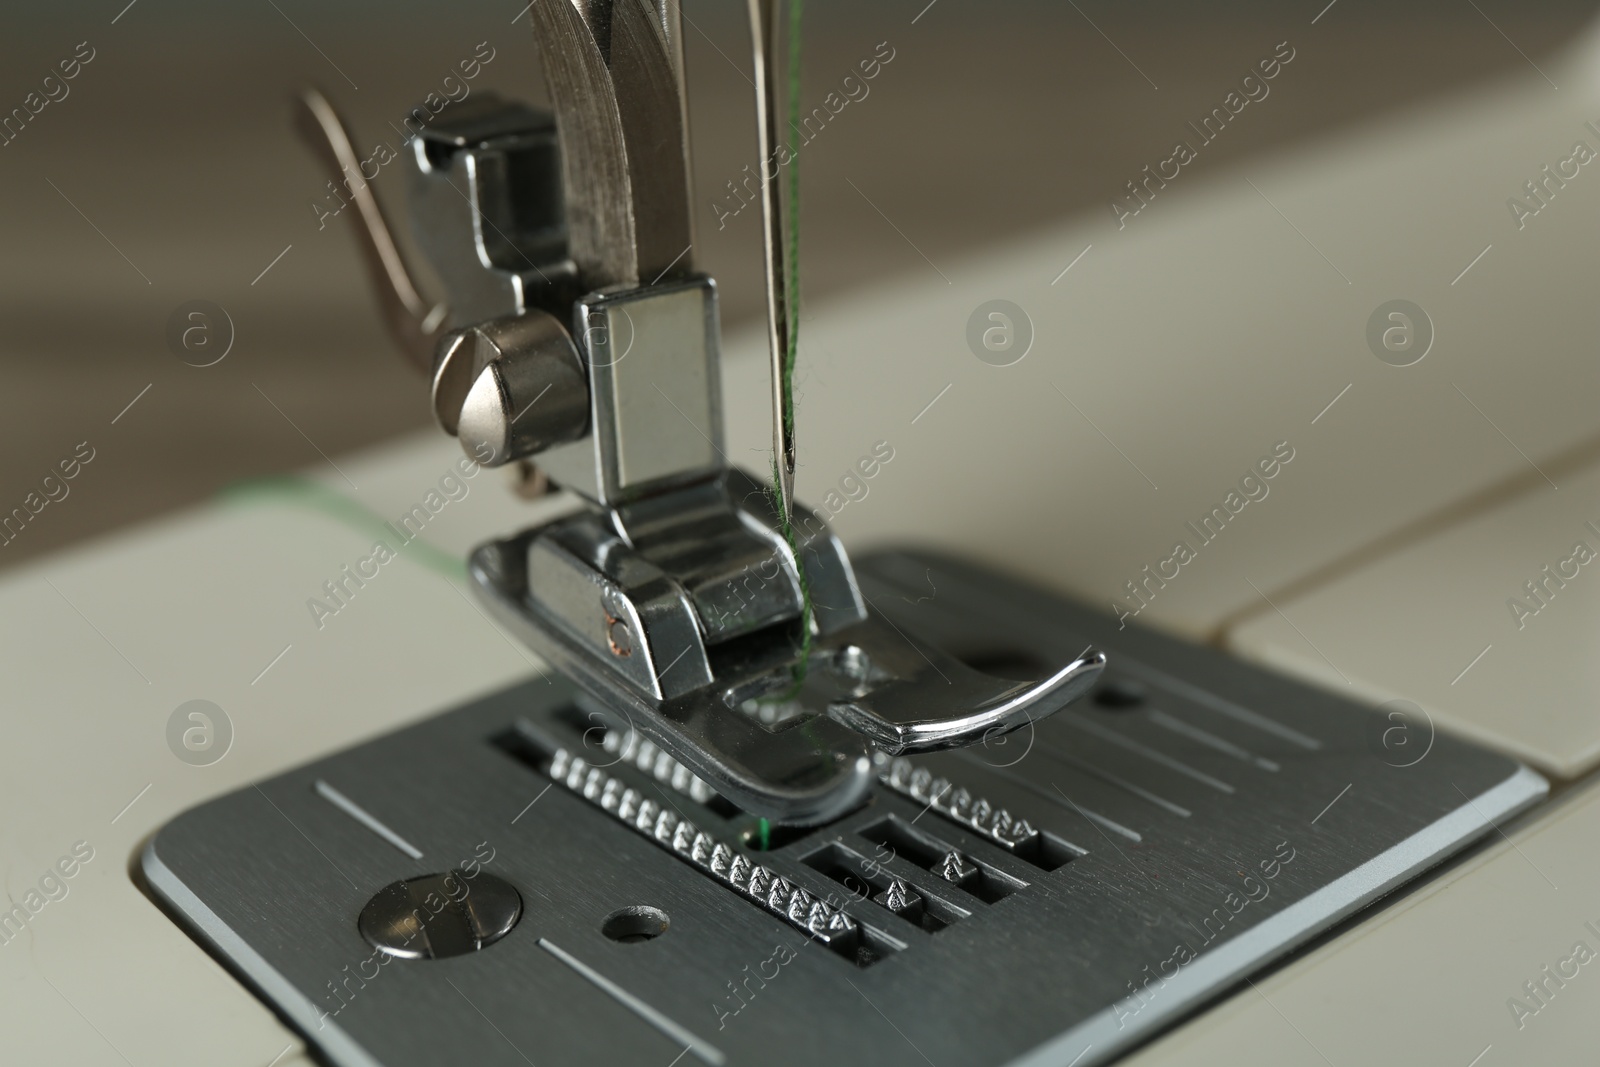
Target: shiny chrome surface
<point>679,594</point>
<point>942,703</point>
<point>511,387</point>
<point>486,206</point>
<point>607,617</point>
<point>655,393</point>
<point>437,916</point>
<point>682,612</point>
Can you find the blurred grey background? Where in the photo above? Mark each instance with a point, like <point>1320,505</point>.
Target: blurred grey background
<point>170,173</point>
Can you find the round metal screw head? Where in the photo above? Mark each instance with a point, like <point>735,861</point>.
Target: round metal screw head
<point>440,915</point>
<point>511,387</point>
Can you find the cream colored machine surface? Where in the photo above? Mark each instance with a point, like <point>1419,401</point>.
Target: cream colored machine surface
<point>1402,549</point>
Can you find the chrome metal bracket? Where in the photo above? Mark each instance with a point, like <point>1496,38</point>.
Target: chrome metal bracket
<point>680,598</point>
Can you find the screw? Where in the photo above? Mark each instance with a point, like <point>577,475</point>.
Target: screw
<point>440,915</point>
<point>619,634</point>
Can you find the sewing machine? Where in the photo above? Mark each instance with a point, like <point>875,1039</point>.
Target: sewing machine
<point>672,773</point>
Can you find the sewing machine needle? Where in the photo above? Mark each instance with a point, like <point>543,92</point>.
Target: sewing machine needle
<point>764,40</point>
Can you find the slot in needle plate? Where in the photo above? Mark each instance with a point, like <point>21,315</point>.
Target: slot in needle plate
<point>1056,896</point>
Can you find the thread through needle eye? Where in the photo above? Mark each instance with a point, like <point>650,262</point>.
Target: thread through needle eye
<point>779,246</point>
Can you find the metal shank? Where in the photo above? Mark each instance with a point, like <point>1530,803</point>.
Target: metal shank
<point>613,80</point>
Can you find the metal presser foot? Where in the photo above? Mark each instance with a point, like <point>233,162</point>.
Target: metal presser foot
<point>579,332</point>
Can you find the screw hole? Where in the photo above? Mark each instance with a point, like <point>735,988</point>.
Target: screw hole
<point>633,925</point>
<point>1120,695</point>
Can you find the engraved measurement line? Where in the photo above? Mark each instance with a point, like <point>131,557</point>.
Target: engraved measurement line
<point>1112,779</point>
<point>1162,758</point>
<point>366,818</point>
<point>1210,740</point>
<point>1234,711</point>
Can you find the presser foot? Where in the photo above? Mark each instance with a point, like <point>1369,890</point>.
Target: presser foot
<point>684,620</point>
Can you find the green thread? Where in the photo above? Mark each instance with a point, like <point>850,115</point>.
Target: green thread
<point>791,291</point>
<point>763,834</point>
<point>291,489</point>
